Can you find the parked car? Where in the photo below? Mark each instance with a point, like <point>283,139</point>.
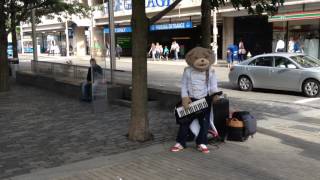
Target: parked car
<point>279,71</point>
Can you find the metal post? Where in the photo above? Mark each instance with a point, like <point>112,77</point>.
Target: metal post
<point>215,35</point>
<point>112,39</point>
<point>34,35</point>
<point>91,36</point>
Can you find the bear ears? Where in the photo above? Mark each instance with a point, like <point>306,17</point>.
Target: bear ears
<point>199,52</point>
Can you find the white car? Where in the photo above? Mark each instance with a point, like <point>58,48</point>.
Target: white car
<point>279,71</point>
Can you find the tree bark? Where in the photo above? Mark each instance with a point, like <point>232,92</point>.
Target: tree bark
<point>14,35</point>
<point>4,71</point>
<point>205,24</point>
<point>139,124</point>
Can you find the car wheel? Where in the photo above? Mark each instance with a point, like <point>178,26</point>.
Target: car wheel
<point>311,88</point>
<point>245,83</point>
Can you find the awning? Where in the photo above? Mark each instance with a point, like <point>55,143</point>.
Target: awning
<point>295,16</point>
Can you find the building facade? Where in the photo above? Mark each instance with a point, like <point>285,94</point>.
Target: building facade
<point>297,19</point>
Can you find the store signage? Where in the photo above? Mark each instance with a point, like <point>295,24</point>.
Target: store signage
<point>156,27</point>
<point>181,25</point>
<point>295,16</point>
<point>122,5</point>
<point>126,29</point>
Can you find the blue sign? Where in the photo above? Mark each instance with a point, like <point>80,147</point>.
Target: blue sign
<point>156,27</point>
<point>121,5</point>
<point>181,25</point>
<point>126,29</point>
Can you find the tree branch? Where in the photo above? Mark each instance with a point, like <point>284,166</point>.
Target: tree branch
<point>158,16</point>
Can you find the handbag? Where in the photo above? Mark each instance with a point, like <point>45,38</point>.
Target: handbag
<point>235,130</point>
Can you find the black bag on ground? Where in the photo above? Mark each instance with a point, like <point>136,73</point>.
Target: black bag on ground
<point>249,122</point>
<point>235,130</point>
<point>221,114</point>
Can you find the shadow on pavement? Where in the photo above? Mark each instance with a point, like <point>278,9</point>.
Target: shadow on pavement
<point>310,149</point>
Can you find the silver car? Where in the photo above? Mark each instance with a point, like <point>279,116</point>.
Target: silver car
<point>279,71</point>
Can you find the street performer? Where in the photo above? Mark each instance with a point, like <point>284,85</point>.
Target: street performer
<point>198,81</point>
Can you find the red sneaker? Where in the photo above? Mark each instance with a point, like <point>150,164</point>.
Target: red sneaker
<point>203,148</point>
<point>176,148</point>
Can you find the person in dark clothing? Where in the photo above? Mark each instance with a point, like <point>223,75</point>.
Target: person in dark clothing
<point>87,85</point>
<point>118,51</point>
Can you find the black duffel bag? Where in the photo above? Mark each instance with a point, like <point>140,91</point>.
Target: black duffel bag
<point>249,122</point>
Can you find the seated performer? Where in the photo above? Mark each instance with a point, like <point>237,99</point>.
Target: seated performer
<point>198,81</point>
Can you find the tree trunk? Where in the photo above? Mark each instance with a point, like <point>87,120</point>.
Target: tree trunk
<point>4,73</point>
<point>14,35</point>
<point>205,24</point>
<point>139,124</point>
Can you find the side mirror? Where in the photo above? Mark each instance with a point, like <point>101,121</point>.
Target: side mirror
<point>292,66</point>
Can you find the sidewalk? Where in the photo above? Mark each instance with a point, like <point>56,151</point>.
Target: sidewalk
<point>47,136</point>
<point>261,158</point>
<point>84,60</point>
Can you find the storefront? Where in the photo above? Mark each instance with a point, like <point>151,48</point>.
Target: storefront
<point>255,32</point>
<point>185,33</point>
<point>302,27</point>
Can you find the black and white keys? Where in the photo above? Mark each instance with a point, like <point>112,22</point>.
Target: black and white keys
<point>193,107</point>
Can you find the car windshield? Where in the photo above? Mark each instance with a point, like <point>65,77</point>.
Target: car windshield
<point>306,61</point>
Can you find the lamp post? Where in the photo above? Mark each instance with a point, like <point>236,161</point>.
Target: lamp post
<point>215,35</point>
<point>112,39</point>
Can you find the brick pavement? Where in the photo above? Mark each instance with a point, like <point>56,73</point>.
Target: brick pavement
<point>40,129</point>
<point>262,158</point>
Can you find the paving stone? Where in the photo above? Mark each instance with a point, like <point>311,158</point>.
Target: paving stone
<point>40,129</point>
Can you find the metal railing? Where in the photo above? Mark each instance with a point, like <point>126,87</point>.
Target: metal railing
<point>62,71</point>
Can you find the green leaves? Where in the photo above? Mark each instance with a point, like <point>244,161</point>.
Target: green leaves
<point>20,10</point>
<point>256,7</point>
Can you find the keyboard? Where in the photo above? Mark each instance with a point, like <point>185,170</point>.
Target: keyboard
<point>195,106</point>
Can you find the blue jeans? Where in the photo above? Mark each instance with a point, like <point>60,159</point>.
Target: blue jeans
<point>202,136</point>
<point>176,55</point>
<point>86,91</point>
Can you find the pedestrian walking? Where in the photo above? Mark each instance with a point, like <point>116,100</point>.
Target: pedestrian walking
<point>175,48</point>
<point>297,47</point>
<point>118,51</point>
<point>166,53</point>
<point>230,52</point>
<point>108,50</point>
<point>161,52</point>
<point>158,51</point>
<point>291,45</point>
<point>280,46</point>
<point>152,51</point>
<point>242,51</point>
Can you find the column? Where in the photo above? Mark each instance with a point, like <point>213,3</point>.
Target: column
<point>67,38</point>
<point>22,37</point>
<point>80,41</point>
<point>228,34</point>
